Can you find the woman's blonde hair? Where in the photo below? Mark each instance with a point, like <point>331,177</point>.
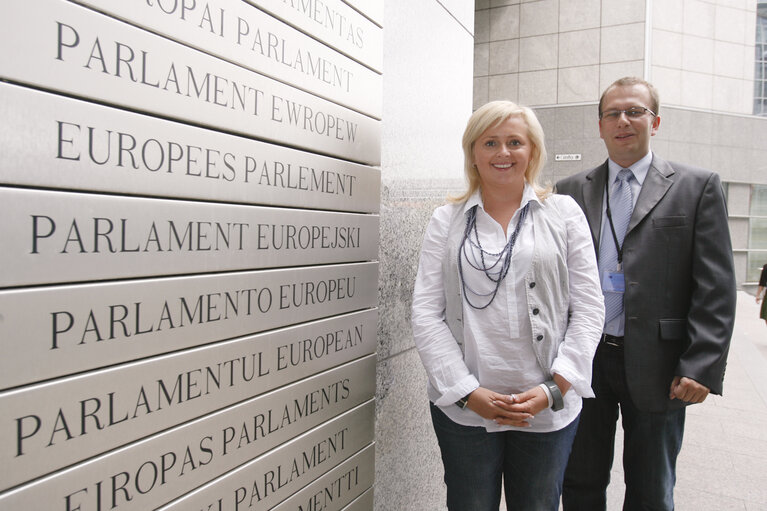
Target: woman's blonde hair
<point>490,115</point>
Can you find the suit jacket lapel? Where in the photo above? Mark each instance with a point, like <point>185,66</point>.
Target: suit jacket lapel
<point>593,193</point>
<point>655,186</point>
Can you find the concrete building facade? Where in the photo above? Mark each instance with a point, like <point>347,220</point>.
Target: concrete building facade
<point>559,56</point>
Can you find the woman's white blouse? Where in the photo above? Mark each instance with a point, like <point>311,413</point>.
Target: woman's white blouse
<point>498,352</point>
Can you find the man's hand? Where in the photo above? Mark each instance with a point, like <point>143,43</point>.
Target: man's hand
<point>688,390</point>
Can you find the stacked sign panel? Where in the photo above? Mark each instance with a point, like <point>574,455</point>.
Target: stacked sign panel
<point>190,197</point>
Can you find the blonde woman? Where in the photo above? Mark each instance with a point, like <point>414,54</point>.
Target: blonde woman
<point>507,314</point>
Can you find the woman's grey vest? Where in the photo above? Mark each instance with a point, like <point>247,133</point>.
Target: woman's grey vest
<point>546,283</point>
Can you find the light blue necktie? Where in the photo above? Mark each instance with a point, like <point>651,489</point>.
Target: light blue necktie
<point>621,205</point>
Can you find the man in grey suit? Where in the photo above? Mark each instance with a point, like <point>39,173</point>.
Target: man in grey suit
<point>667,274</point>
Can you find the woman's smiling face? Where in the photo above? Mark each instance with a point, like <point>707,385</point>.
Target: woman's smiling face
<point>502,154</point>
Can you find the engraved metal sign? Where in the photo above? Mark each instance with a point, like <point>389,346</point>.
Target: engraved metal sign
<point>52,425</point>
<point>53,237</point>
<point>363,503</point>
<point>151,472</point>
<point>333,22</point>
<point>273,477</point>
<point>58,142</point>
<point>373,9</point>
<point>337,487</point>
<point>245,35</point>
<point>55,331</point>
<point>189,244</point>
<point>72,49</point>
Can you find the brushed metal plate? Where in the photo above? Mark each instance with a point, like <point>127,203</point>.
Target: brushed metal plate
<point>71,49</point>
<point>362,503</point>
<point>265,481</point>
<point>154,471</point>
<point>55,237</point>
<point>334,22</point>
<point>58,142</point>
<point>55,424</point>
<point>373,9</point>
<point>337,488</point>
<point>55,331</point>
<point>245,35</point>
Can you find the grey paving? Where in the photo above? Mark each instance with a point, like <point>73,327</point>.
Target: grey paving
<point>723,463</point>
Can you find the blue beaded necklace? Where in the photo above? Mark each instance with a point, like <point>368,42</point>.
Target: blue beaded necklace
<point>496,271</point>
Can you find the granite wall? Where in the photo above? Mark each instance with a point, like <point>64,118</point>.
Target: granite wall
<point>428,47</point>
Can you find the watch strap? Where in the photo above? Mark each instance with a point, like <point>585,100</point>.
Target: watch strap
<point>463,402</point>
<point>556,395</point>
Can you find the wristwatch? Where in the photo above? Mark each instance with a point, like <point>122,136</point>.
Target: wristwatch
<point>463,402</point>
<point>556,395</point>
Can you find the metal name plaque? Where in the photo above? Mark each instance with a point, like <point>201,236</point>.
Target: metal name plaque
<point>72,49</point>
<point>336,488</point>
<point>52,425</point>
<point>275,476</point>
<point>240,33</point>
<point>373,9</point>
<point>58,142</point>
<point>363,503</point>
<point>50,332</point>
<point>51,237</point>
<point>333,22</point>
<point>154,471</point>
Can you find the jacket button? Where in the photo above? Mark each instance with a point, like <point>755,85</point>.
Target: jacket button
<point>539,338</point>
<point>532,285</point>
<point>535,312</point>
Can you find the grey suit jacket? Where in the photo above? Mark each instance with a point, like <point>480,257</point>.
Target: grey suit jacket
<point>680,284</point>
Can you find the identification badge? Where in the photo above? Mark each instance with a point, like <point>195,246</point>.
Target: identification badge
<point>612,281</point>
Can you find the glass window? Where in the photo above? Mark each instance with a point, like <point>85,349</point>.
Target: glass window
<point>755,262</point>
<point>759,200</point>
<point>757,239</point>
<point>760,61</point>
<point>758,236</point>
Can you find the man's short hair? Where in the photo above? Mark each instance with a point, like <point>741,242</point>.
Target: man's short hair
<point>628,81</point>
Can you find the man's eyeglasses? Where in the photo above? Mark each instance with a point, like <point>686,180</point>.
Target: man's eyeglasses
<point>635,112</point>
